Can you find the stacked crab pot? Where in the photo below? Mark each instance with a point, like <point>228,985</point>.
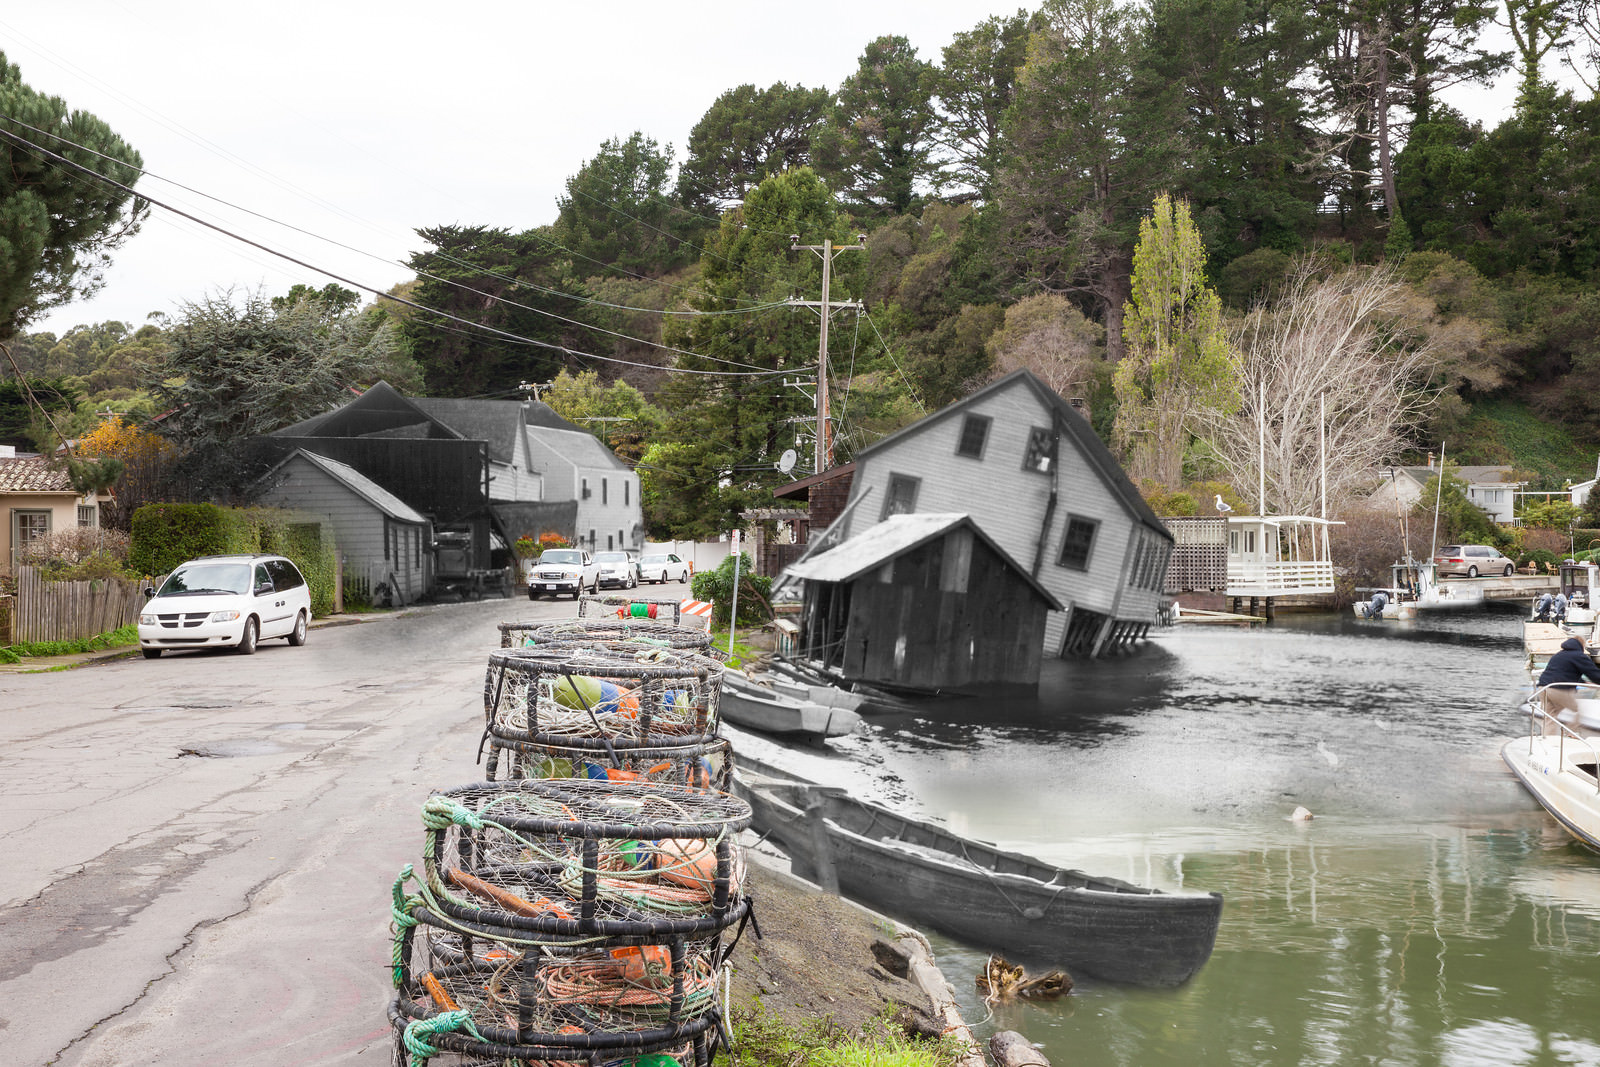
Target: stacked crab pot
<point>568,920</point>
<point>594,700</point>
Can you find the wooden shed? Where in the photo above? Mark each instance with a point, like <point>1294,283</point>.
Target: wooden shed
<point>923,601</point>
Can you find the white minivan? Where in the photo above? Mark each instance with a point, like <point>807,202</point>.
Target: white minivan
<point>226,602</point>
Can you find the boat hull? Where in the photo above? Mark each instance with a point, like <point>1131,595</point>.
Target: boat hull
<point>1557,780</point>
<point>774,713</point>
<point>993,900</point>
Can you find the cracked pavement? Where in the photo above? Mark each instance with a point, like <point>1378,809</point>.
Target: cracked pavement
<point>196,852</point>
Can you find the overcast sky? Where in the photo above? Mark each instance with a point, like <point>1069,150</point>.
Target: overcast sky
<point>362,122</point>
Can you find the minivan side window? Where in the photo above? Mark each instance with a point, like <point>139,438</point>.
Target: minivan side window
<point>284,575</point>
<point>262,577</point>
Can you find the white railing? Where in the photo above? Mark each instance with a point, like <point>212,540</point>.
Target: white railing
<point>1279,579</point>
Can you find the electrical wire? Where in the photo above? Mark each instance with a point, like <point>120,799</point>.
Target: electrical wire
<point>364,287</point>
<point>421,273</point>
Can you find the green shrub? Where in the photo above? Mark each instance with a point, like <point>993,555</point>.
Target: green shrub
<point>1544,557</point>
<point>165,535</point>
<point>755,592</point>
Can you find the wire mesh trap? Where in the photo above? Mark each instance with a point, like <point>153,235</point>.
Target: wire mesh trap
<point>556,693</point>
<point>538,1000</point>
<point>640,633</point>
<point>620,606</point>
<point>706,764</point>
<point>579,857</point>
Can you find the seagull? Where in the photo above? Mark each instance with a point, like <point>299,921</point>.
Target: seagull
<point>1222,505</point>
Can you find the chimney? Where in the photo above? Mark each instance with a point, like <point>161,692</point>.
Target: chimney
<point>1430,461</point>
<point>1080,405</point>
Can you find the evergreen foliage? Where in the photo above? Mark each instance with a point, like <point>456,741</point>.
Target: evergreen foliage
<point>57,230</point>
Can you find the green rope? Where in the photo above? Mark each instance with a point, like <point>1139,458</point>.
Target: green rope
<point>446,1022</point>
<point>440,811</point>
<point>400,909</point>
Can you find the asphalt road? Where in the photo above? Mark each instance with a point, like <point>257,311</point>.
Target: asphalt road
<point>198,850</point>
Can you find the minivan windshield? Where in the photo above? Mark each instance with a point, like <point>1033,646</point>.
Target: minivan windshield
<point>198,578</point>
<point>562,555</point>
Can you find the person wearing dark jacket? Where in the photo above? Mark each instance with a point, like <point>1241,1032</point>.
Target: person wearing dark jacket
<point>1572,664</point>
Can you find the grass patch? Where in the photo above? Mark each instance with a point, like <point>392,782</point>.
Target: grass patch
<point>1505,431</point>
<point>119,638</point>
<point>761,1038</point>
<point>749,643</point>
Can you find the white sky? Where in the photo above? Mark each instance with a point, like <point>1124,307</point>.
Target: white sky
<point>361,123</point>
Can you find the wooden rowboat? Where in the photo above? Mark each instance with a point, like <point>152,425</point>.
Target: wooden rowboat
<point>756,707</point>
<point>974,892</point>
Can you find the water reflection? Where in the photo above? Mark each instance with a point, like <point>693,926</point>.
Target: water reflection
<point>1430,914</point>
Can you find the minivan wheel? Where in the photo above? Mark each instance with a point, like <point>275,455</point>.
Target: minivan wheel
<point>1472,572</point>
<point>1508,570</point>
<point>247,643</point>
<point>297,636</point>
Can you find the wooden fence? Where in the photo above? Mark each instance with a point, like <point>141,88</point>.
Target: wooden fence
<point>67,611</point>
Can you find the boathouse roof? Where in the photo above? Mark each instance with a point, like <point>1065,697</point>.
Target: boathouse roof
<point>895,536</point>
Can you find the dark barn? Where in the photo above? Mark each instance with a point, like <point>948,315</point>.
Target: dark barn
<point>923,601</point>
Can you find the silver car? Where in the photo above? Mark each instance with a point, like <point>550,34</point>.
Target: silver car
<point>663,567</point>
<point>1471,561</point>
<point>617,569</point>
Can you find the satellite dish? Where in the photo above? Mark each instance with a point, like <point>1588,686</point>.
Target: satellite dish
<point>787,461</point>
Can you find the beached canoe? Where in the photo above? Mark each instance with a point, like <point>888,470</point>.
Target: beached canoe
<point>993,900</point>
<point>757,707</point>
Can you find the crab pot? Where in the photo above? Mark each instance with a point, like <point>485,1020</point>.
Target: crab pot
<point>704,764</point>
<point>581,857</point>
<point>557,692</point>
<point>544,999</point>
<point>623,606</point>
<point>631,631</point>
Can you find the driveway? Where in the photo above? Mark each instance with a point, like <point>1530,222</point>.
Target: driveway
<point>199,849</point>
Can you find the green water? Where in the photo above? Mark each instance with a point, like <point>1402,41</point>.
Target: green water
<point>1430,912</point>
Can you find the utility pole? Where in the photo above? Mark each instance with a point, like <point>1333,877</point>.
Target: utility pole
<point>824,449</point>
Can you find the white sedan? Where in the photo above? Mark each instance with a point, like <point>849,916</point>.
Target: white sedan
<point>663,567</point>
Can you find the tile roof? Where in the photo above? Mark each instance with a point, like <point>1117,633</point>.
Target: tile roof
<point>34,475</point>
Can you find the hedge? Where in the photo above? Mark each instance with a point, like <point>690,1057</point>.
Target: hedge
<point>165,535</point>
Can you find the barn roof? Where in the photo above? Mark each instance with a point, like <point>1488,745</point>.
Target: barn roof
<point>357,483</point>
<point>895,536</point>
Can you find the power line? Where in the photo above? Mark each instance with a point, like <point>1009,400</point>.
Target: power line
<point>425,274</point>
<point>576,353</point>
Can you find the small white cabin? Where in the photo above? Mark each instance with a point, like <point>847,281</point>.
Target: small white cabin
<point>1278,555</point>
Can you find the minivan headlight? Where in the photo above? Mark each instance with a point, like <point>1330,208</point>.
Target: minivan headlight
<point>223,616</point>
<point>147,620</point>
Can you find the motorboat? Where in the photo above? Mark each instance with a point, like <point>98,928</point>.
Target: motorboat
<point>1559,760</point>
<point>1000,901</point>
<point>1415,588</point>
<point>1580,584</point>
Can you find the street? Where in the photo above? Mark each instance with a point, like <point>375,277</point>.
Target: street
<point>201,848</point>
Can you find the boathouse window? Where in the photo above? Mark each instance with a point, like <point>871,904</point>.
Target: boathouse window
<point>974,432</point>
<point>1078,543</point>
<point>605,491</point>
<point>586,489</point>
<point>1041,454</point>
<point>902,498</point>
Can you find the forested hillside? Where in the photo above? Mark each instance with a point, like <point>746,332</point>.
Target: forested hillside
<point>998,191</point>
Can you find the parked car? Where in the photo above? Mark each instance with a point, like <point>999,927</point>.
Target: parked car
<point>226,602</point>
<point>1471,561</point>
<point>563,570</point>
<point>617,569</point>
<point>663,567</point>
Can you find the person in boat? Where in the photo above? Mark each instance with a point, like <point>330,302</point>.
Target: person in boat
<point>1375,606</point>
<point>1569,666</point>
